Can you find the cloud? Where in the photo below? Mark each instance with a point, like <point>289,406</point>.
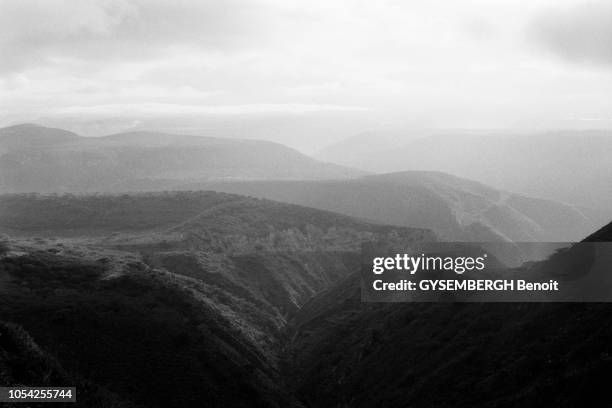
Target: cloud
<point>580,34</point>
<point>451,63</point>
<point>39,32</point>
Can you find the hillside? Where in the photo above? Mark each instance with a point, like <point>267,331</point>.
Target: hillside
<point>45,160</point>
<point>602,235</point>
<point>347,353</point>
<point>186,294</point>
<point>30,136</point>
<point>572,166</point>
<point>222,233</point>
<point>237,301</point>
<point>22,361</point>
<point>139,335</point>
<point>455,208</point>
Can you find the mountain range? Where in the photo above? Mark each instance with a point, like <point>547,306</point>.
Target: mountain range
<point>45,160</point>
<point>454,208</point>
<point>240,302</point>
<point>570,166</point>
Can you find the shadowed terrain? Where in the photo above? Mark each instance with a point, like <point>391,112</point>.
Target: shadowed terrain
<point>172,299</point>
<point>234,301</point>
<point>347,353</point>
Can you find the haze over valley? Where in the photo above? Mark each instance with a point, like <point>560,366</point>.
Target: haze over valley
<point>47,160</point>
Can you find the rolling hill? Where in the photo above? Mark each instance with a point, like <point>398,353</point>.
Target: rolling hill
<point>44,160</point>
<point>454,208</point>
<point>571,166</point>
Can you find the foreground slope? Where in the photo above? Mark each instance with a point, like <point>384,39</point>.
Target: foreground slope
<point>45,160</point>
<point>455,208</point>
<point>139,335</point>
<point>202,297</point>
<point>347,353</point>
<point>22,361</point>
<point>184,294</point>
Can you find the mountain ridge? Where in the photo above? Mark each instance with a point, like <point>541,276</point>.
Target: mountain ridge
<point>47,160</point>
<point>455,208</point>
<point>565,166</point>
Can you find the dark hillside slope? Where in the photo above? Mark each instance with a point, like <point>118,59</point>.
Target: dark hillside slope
<point>203,297</point>
<point>347,353</point>
<point>602,235</point>
<point>138,335</point>
<point>22,361</point>
<point>183,292</point>
<point>297,250</point>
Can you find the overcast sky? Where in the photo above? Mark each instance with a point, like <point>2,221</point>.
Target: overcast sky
<point>453,63</point>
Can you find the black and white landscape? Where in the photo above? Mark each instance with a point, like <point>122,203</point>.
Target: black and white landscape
<point>185,188</point>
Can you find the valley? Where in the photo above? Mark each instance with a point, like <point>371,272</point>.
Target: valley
<point>305,204</point>
<point>54,161</point>
<point>240,301</point>
<point>209,275</point>
<point>239,286</point>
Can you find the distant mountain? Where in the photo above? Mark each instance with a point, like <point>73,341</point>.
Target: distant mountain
<point>39,159</point>
<point>30,136</point>
<point>572,166</point>
<point>455,208</point>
